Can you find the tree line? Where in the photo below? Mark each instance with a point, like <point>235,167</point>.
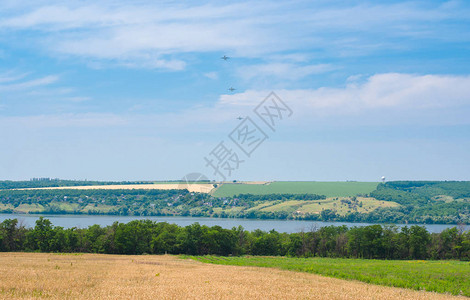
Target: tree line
<point>183,203</point>
<point>149,237</point>
<point>141,202</point>
<point>421,202</point>
<point>429,202</point>
<point>56,182</point>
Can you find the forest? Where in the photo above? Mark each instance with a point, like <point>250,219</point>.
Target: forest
<point>56,182</point>
<point>149,237</point>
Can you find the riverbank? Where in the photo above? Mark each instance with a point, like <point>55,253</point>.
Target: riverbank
<point>287,226</point>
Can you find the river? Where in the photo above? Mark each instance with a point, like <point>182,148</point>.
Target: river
<point>289,226</point>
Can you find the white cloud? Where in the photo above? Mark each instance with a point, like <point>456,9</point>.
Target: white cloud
<point>145,34</point>
<point>146,62</point>
<point>11,76</point>
<point>375,99</point>
<point>211,75</point>
<point>381,91</point>
<point>46,87</point>
<point>77,99</point>
<point>390,99</point>
<point>381,96</point>
<point>286,71</point>
<point>88,120</point>
<point>46,80</point>
<point>136,36</point>
<point>60,16</point>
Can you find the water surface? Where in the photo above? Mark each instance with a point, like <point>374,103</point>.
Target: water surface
<point>289,226</point>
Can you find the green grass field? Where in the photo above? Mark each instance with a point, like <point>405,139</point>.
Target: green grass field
<point>316,206</point>
<point>6,206</point>
<point>329,189</point>
<point>452,277</point>
<point>30,208</point>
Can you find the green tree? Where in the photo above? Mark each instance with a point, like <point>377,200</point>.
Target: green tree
<point>419,238</point>
<point>41,237</point>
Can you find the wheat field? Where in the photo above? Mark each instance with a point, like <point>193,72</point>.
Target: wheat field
<point>93,276</point>
<point>192,187</point>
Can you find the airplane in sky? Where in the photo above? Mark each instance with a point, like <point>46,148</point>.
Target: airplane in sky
<point>240,118</point>
<point>225,57</point>
<point>231,89</point>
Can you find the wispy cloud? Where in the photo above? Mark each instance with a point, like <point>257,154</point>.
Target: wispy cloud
<point>377,95</point>
<point>28,84</point>
<point>145,34</point>
<point>284,71</point>
<point>11,76</point>
<point>87,120</point>
<point>18,88</point>
<point>211,75</point>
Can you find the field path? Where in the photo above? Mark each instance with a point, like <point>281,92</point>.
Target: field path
<point>92,276</point>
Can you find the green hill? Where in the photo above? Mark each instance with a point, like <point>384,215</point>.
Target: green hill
<point>329,189</point>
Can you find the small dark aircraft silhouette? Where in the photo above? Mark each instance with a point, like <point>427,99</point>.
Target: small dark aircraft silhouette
<point>225,57</point>
<point>239,118</point>
<point>231,89</point>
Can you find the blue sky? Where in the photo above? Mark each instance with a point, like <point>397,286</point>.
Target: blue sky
<point>136,90</point>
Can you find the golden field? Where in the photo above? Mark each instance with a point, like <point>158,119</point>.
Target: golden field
<point>196,187</point>
<point>93,276</point>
